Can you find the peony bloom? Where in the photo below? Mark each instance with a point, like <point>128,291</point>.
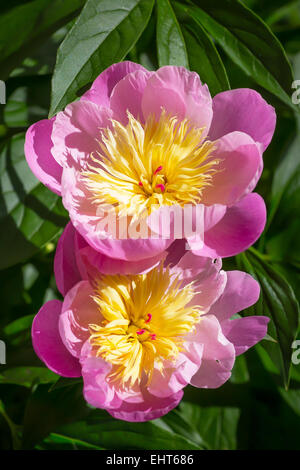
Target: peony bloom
<point>138,339</point>
<point>145,143</point>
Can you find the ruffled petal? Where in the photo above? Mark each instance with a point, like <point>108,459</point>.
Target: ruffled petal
<point>218,354</point>
<point>243,110</point>
<point>127,96</point>
<point>180,93</point>
<point>65,266</point>
<point>240,160</point>
<point>241,291</point>
<point>47,342</point>
<point>151,408</point>
<point>86,218</point>
<point>79,310</point>
<point>244,333</point>
<point>241,226</point>
<point>77,131</point>
<point>102,87</point>
<point>209,280</point>
<point>38,154</point>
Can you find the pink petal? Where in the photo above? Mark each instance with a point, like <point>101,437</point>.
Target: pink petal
<point>79,310</point>
<point>241,226</point>
<point>175,377</point>
<point>243,110</point>
<point>96,262</point>
<point>180,93</point>
<point>213,214</point>
<point>134,405</point>
<point>127,96</point>
<point>38,154</point>
<point>218,354</point>
<point>97,392</point>
<point>176,222</point>
<point>65,267</point>
<point>209,281</point>
<point>240,160</point>
<point>47,342</point>
<point>151,408</point>
<point>86,219</point>
<point>244,333</point>
<point>76,131</point>
<point>241,291</point>
<point>103,86</point>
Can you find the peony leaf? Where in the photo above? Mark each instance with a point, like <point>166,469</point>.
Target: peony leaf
<point>103,34</point>
<point>171,47</point>
<point>278,302</point>
<point>249,42</point>
<point>202,53</point>
<point>30,214</point>
<point>24,27</point>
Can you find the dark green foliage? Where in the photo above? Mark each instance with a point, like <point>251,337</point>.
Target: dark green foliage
<point>51,50</point>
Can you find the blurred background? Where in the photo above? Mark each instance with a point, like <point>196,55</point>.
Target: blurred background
<point>256,44</point>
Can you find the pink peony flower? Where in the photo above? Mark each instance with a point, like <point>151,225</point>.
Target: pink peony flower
<point>138,339</point>
<point>145,143</point>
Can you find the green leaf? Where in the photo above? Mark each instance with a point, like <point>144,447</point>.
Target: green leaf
<point>47,411</point>
<point>27,376</point>
<point>202,53</point>
<point>171,47</point>
<point>24,27</point>
<point>249,42</point>
<point>30,214</point>
<point>57,441</point>
<point>278,302</point>
<point>102,430</point>
<point>217,426</point>
<point>103,34</point>
<point>18,325</point>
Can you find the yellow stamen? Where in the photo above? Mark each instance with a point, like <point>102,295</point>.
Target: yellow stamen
<point>128,336</point>
<point>138,167</point>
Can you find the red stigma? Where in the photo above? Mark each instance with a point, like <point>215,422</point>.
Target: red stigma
<point>158,169</point>
<point>140,332</point>
<point>162,187</point>
<point>140,183</point>
<point>153,336</point>
<point>149,318</point>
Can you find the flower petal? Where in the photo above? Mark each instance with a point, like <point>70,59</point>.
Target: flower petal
<point>209,281</point>
<point>76,131</point>
<point>102,87</point>
<point>180,93</point>
<point>240,160</point>
<point>241,291</point>
<point>244,333</point>
<point>243,110</point>
<point>47,342</point>
<point>79,310</point>
<point>175,377</point>
<point>241,226</point>
<point>218,354</point>
<point>97,391</point>
<point>38,154</point>
<point>65,267</point>
<point>127,96</point>
<point>151,408</point>
<point>86,218</point>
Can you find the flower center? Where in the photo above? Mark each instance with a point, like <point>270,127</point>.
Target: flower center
<point>143,320</point>
<point>162,162</point>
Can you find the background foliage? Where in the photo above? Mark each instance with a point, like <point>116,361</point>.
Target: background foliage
<point>50,51</point>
